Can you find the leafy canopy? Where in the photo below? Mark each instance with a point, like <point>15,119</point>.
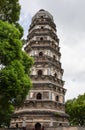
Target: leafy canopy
<point>9,10</point>
<point>15,69</point>
<point>76,109</point>
<point>14,63</point>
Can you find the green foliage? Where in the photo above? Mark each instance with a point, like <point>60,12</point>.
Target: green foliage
<point>26,62</point>
<point>76,109</point>
<point>5,116</point>
<point>9,10</point>
<point>14,63</point>
<point>18,26</point>
<point>14,73</point>
<point>9,43</point>
<point>14,82</point>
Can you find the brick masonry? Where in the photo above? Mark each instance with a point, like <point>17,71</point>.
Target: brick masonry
<point>66,128</point>
<point>58,128</point>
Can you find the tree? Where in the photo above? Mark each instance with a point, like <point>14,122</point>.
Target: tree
<point>9,10</point>
<point>75,108</point>
<point>14,63</point>
<point>15,69</point>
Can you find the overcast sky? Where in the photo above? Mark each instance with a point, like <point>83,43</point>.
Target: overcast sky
<point>69,17</point>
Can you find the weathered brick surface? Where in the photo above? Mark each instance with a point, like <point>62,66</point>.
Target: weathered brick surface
<point>66,128</point>
<point>58,128</point>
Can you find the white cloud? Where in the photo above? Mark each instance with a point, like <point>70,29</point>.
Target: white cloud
<point>70,22</point>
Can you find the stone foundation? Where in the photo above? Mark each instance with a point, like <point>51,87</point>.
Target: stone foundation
<point>58,128</point>
<point>66,128</point>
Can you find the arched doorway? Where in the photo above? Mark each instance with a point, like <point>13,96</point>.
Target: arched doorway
<point>37,126</point>
<point>39,96</point>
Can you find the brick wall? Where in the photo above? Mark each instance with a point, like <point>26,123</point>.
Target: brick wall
<point>58,128</point>
<point>66,128</point>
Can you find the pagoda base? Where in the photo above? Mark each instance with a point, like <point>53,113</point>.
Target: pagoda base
<point>46,119</point>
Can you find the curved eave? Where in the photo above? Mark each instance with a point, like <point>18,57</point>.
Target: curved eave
<point>41,112</point>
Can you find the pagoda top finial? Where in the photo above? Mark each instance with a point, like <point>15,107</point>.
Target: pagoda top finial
<point>42,13</point>
<point>41,10</point>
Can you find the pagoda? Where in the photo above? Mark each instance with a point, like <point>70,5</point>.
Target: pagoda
<point>45,103</point>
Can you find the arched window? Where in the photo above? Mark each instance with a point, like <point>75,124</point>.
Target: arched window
<point>60,124</point>
<point>37,126</point>
<point>39,72</point>
<point>41,38</point>
<point>57,98</point>
<point>41,16</point>
<point>54,57</point>
<point>39,96</point>
<point>42,27</point>
<point>40,53</point>
<point>55,75</point>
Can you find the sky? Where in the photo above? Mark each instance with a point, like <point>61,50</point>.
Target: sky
<point>69,17</point>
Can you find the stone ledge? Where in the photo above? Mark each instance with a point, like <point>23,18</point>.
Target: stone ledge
<point>58,128</point>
